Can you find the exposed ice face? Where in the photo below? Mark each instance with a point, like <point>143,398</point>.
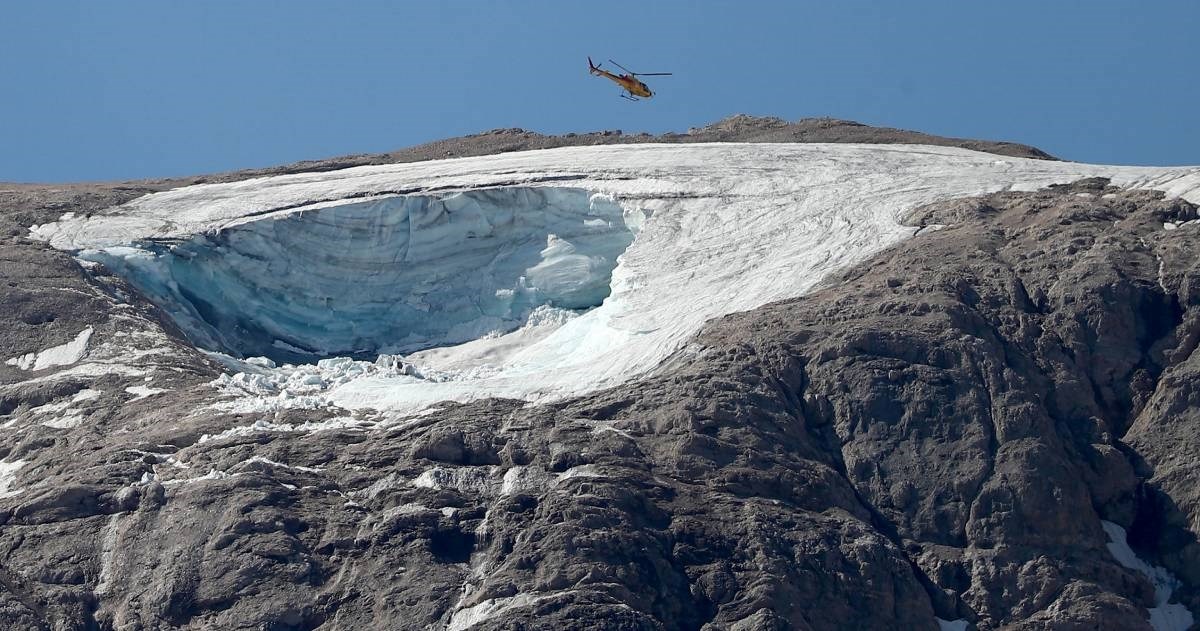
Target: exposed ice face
<point>388,275</point>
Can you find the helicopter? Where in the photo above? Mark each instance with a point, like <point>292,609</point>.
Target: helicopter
<point>628,82</point>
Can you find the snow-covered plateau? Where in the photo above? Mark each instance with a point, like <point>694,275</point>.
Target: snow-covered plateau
<point>536,275</point>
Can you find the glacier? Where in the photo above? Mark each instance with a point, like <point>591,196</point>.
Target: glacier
<point>535,275</point>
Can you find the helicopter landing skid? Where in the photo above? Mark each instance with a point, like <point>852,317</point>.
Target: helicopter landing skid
<point>628,98</point>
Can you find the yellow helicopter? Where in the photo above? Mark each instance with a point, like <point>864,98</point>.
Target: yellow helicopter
<point>628,82</point>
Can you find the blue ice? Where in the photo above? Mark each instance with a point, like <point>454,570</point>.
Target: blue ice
<point>389,275</point>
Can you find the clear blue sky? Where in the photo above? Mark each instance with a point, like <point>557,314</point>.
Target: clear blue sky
<point>98,90</point>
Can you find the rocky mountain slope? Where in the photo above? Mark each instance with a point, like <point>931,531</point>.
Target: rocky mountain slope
<point>947,435</point>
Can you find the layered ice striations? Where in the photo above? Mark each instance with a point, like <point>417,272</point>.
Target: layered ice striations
<point>395,274</point>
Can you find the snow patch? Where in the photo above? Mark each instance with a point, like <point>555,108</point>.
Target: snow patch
<point>525,479</point>
<point>71,418</point>
<point>1162,268</point>
<point>89,369</point>
<point>141,392</point>
<point>8,474</point>
<point>474,479</point>
<point>600,427</point>
<point>282,465</point>
<point>61,355</point>
<point>952,625</point>
<point>410,508</point>
<point>386,483</point>
<point>67,421</point>
<point>108,549</point>
<point>1164,616</point>
<point>86,394</point>
<point>307,427</point>
<point>516,480</point>
<point>581,471</point>
<point>212,474</point>
<point>468,617</point>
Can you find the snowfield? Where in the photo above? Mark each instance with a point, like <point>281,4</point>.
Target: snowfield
<point>537,275</point>
<point>1164,616</point>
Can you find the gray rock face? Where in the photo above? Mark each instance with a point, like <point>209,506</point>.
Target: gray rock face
<point>936,434</point>
<point>979,384</point>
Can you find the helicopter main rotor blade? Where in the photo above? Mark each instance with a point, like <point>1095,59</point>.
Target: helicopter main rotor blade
<point>621,67</point>
<point>638,74</point>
